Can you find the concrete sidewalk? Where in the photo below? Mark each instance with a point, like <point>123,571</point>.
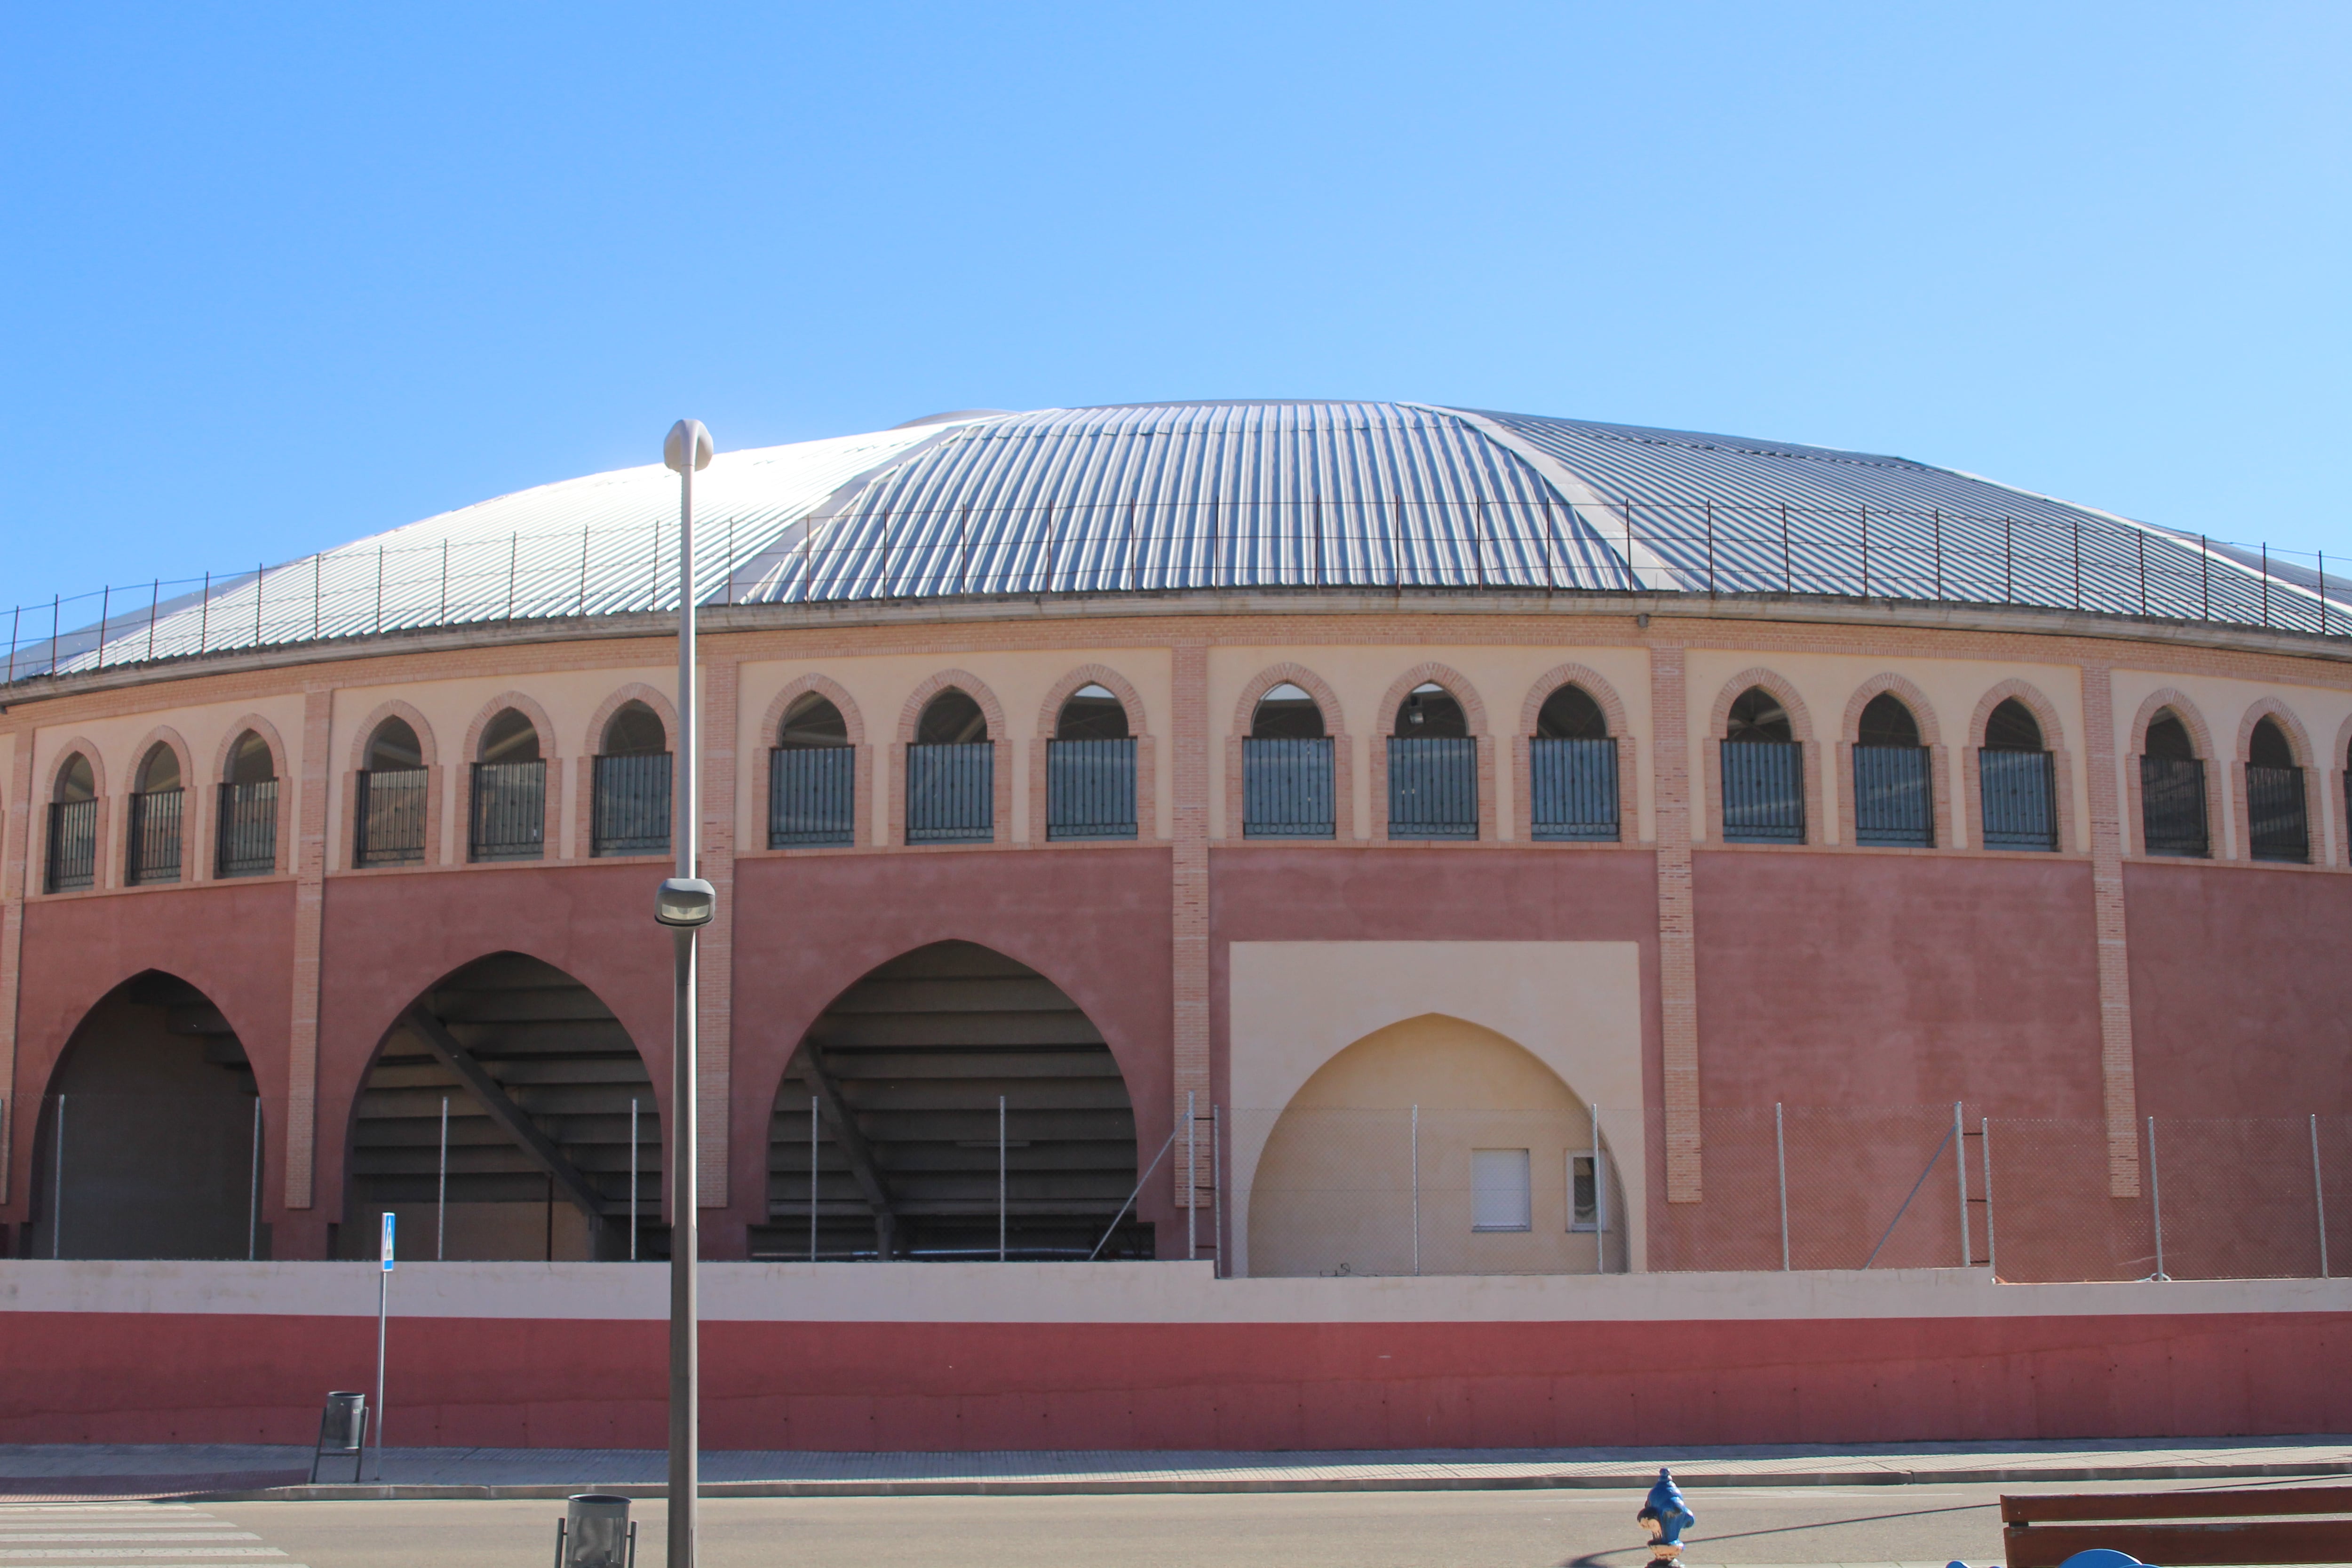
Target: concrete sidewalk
<point>225,1472</point>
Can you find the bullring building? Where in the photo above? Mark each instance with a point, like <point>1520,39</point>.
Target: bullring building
<point>1317,838</point>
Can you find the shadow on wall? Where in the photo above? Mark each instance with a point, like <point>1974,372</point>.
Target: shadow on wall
<point>1433,1146</point>
<point>149,1141</point>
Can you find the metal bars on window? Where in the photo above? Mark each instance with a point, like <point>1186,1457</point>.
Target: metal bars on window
<point>390,810</point>
<point>1090,789</point>
<point>1433,786</point>
<point>632,805</point>
<point>154,836</point>
<point>1894,798</point>
<point>2277,827</point>
<point>245,843</point>
<point>2172,805</point>
<point>1574,788</point>
<point>2019,793</point>
<point>1763,793</point>
<point>73,845</point>
<point>951,793</point>
<point>508,819</point>
<point>812,796</point>
<point>1287,788</point>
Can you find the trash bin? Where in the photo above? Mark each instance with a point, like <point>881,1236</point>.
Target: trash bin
<point>596,1532</point>
<point>342,1430</point>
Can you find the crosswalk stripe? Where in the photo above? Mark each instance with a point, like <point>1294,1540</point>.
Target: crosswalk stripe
<point>14,1554</point>
<point>222,1531</point>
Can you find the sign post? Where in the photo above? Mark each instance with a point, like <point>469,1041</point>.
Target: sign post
<point>382,1301</point>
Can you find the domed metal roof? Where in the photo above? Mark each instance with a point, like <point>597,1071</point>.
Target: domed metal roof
<point>1155,498</point>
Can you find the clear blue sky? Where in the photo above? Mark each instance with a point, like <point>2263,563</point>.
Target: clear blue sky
<point>279,276</point>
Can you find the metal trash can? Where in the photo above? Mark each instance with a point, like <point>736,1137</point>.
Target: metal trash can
<point>596,1532</point>
<point>343,1429</point>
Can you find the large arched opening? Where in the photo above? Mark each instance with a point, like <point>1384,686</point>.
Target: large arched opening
<point>953,1104</point>
<point>1435,1146</point>
<point>149,1141</point>
<point>507,1116</point>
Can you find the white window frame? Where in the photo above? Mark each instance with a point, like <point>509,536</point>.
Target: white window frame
<point>1483,1160</point>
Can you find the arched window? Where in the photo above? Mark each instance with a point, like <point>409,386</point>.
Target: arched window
<point>2277,827</point>
<point>1573,769</point>
<point>508,819</point>
<point>1763,772</point>
<point>2172,790</point>
<point>1090,768</point>
<point>630,811</point>
<point>951,773</point>
<point>1286,769</point>
<point>246,844</point>
<point>73,828</point>
<point>2017,783</point>
<point>157,810</point>
<point>1432,767</point>
<point>1893,788</point>
<point>812,777</point>
<point>389,816</point>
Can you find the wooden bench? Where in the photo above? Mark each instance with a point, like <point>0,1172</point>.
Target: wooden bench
<point>2250,1526</point>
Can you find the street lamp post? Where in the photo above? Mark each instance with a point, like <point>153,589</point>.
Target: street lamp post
<point>685,904</point>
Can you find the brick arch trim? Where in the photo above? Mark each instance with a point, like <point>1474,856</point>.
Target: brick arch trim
<point>1801,721</point>
<point>962,680</point>
<point>394,709</point>
<point>772,726</point>
<point>1265,680</point>
<point>550,744</point>
<point>2044,711</point>
<point>160,735</point>
<point>635,691</point>
<point>83,744</point>
<point>1049,713</point>
<point>1923,712</point>
<point>2342,758</point>
<point>2298,739</point>
<point>279,764</point>
<point>1457,685</point>
<point>1594,685</point>
<point>2200,735</point>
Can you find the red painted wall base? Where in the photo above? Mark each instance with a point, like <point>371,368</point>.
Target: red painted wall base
<point>91,1377</point>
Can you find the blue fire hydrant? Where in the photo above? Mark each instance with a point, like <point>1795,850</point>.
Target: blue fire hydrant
<point>1666,1516</point>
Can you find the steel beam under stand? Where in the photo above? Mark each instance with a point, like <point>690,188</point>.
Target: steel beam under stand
<point>511,1118</point>
<point>860,1154</point>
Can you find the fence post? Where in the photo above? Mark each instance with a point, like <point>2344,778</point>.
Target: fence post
<point>318,589</point>
<point>105,609</point>
<point>1961,1162</point>
<point>2323,593</point>
<point>1780,1163</point>
<point>1788,570</point>
<point>813,1155</point>
<point>2319,1195</point>
<point>17,615</point>
<point>155,603</point>
<point>56,619</point>
<point>2008,563</point>
<point>1992,1257</point>
<point>1192,1175</point>
<point>444,578</point>
<point>253,1194</point>
<point>441,1193</point>
<point>260,577</point>
<point>1000,1182</point>
<point>1600,1201</point>
<point>2204,580</point>
<point>205,614</point>
<point>2078,562</point>
<point>58,1187</point>
<point>379,587</point>
<point>2266,583</point>
<point>633,1174</point>
<point>2142,536</point>
<point>1217,1186</point>
<point>1935,518</point>
<point>2156,1200</point>
<point>1865,553</point>
<point>1416,1178</point>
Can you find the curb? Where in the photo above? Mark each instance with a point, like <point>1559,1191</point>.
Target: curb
<point>1044,1485</point>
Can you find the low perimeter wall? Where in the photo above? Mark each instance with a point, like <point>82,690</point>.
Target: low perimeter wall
<point>1160,1356</point>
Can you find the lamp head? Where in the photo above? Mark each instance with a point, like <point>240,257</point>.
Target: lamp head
<point>686,901</point>
<point>687,437</point>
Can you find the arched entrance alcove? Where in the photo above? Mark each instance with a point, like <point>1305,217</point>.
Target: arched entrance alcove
<point>538,1080</point>
<point>1435,1146</point>
<point>149,1141</point>
<point>901,1081</point>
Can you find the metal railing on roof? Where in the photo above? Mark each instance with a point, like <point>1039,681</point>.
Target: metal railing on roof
<point>2041,558</point>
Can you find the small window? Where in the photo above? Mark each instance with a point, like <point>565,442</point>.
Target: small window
<point>811,721</point>
<point>1571,714</point>
<point>1429,713</point>
<point>156,812</point>
<point>2017,782</point>
<point>2168,738</point>
<point>634,730</point>
<point>73,828</point>
<point>1758,718</point>
<point>246,841</point>
<point>1287,714</point>
<point>952,718</point>
<point>75,781</point>
<point>2012,728</point>
<point>2268,746</point>
<point>1893,789</point>
<point>249,761</point>
<point>1588,1193</point>
<point>2275,816</point>
<point>2172,791</point>
<point>509,739</point>
<point>1763,772</point>
<point>812,777</point>
<point>1499,1195</point>
<point>393,748</point>
<point>1887,723</point>
<point>1092,713</point>
<point>159,771</point>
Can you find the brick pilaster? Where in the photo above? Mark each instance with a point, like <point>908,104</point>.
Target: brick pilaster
<point>1678,945</point>
<point>17,825</point>
<point>714,966</point>
<point>1189,956</point>
<point>310,863</point>
<point>2119,1090</point>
